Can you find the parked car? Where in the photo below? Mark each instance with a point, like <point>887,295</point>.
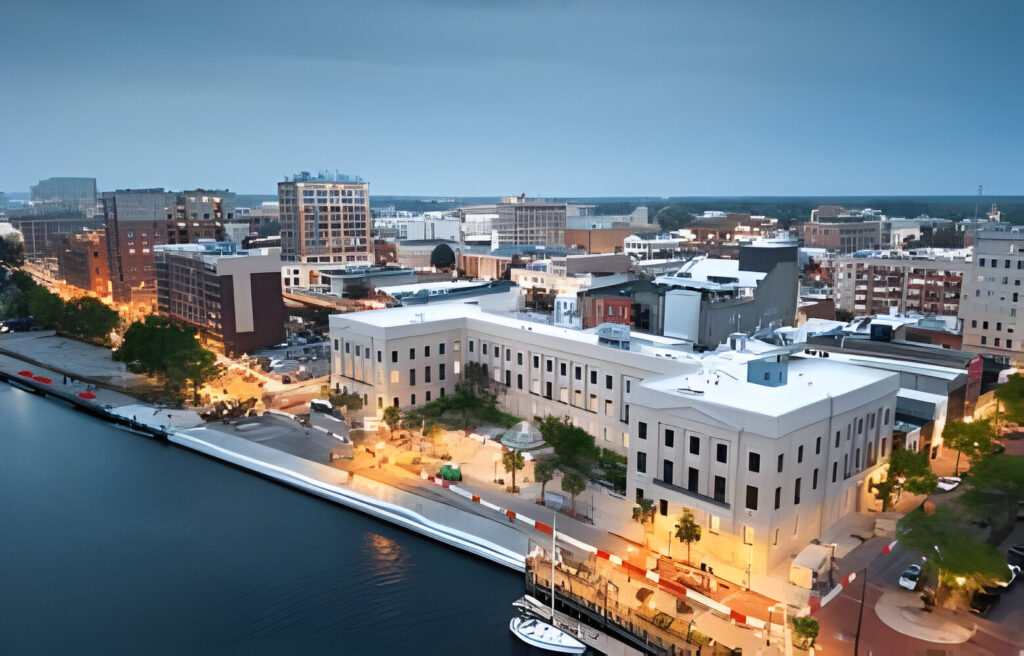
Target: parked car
<point>948,483</point>
<point>1015,556</point>
<point>910,577</point>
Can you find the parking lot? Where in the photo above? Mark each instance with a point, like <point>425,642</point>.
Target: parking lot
<point>312,358</point>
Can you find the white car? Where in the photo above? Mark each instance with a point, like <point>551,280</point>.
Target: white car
<point>910,577</point>
<point>948,483</point>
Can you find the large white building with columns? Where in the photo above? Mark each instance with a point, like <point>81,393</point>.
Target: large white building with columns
<point>769,449</point>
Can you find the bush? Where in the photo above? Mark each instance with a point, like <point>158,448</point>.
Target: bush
<point>806,628</point>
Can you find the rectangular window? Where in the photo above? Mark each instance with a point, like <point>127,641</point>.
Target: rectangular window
<point>751,497</point>
<point>609,408</point>
<point>641,430</point>
<point>394,376</point>
<point>663,507</point>
<point>562,368</point>
<point>593,378</point>
<point>412,399</point>
<point>550,365</point>
<point>426,374</point>
<point>837,439</point>
<point>781,459</point>
<point>380,355</point>
<point>835,469</point>
<point>695,445</point>
<point>800,454</point>
<point>440,349</point>
<point>796,492</point>
<point>578,373</point>
<point>778,498</point>
<point>519,381</point>
<point>519,357</point>
<point>666,471</point>
<point>472,344</point>
<point>412,354</point>
<point>607,382</point>
<point>641,462</point>
<point>508,355</point>
<point>754,461</point>
<point>536,362</point>
<point>426,351</point>
<point>720,488</point>
<point>412,376</point>
<point>817,446</point>
<point>814,480</point>
<point>483,348</point>
<point>693,482</point>
<point>394,356</point>
<point>508,378</point>
<point>670,438</point>
<point>440,372</point>
<point>722,453</point>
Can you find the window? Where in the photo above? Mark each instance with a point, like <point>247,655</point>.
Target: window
<point>562,368</point>
<point>536,362</point>
<point>666,471</point>
<point>508,355</point>
<point>471,345</point>
<point>394,356</point>
<point>720,488</point>
<point>722,452</point>
<point>607,382</point>
<point>380,401</point>
<point>641,462</point>
<point>519,357</point>
<point>426,374</point>
<point>670,438</point>
<point>984,325</point>
<point>380,355</point>
<point>335,345</point>
<point>483,347</point>
<point>426,351</point>
<point>440,372</point>
<point>778,498</point>
<point>550,365</point>
<point>781,459</point>
<point>593,378</point>
<point>412,376</point>
<point>609,408</point>
<point>508,378</point>
<point>837,439</point>
<point>835,468</point>
<point>578,373</point>
<point>519,381</point>
<point>981,262</point>
<point>693,482</point>
<point>412,354</point>
<point>395,402</point>
<point>983,340</point>
<point>814,480</point>
<point>751,497</point>
<point>974,323</point>
<point>817,446</point>
<point>800,454</point>
<point>796,492</point>
<point>394,376</point>
<point>695,445</point>
<point>999,325</point>
<point>887,416</point>
<point>412,399</point>
<point>641,430</point>
<point>754,461</point>
<point>428,396</point>
<point>860,426</point>
<point>440,349</point>
<point>663,507</point>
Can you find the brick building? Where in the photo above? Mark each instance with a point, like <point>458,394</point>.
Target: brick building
<point>82,262</point>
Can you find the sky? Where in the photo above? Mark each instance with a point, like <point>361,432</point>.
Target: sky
<point>546,97</point>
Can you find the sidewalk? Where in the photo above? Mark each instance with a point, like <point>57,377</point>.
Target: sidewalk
<point>901,610</point>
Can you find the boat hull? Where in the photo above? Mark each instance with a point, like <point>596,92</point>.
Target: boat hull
<point>566,644</point>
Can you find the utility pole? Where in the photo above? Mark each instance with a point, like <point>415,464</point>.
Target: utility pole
<point>860,613</point>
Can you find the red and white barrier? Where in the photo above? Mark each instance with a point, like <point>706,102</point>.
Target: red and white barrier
<point>817,603</point>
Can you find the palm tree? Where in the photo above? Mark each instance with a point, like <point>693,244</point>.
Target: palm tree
<point>687,530</point>
<point>513,461</point>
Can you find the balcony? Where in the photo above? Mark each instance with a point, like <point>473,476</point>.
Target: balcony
<point>694,495</point>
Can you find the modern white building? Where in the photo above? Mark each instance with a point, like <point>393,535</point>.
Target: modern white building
<point>992,295</point>
<point>767,449</point>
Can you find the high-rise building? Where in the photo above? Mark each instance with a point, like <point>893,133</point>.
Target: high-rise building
<point>139,219</point>
<point>928,284</point>
<point>325,218</point>
<point>233,296</point>
<point>72,193</point>
<point>992,295</point>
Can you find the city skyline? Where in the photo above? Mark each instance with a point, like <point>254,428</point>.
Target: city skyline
<point>457,98</point>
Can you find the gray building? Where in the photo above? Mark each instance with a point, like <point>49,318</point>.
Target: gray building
<point>71,193</point>
<point>992,295</point>
<point>519,220</point>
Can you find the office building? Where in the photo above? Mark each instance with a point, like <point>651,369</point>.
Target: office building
<point>518,220</point>
<point>878,282</point>
<point>764,476</point>
<point>44,227</point>
<point>232,296</point>
<point>991,297</point>
<point>846,237</point>
<point>325,218</point>
<point>69,193</point>
<point>138,220</point>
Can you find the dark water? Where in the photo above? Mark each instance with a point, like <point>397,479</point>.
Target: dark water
<point>115,543</point>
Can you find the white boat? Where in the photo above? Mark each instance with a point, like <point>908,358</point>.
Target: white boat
<point>541,634</point>
<point>544,636</point>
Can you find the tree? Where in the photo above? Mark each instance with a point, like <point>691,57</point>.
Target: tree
<point>477,381</point>
<point>908,471</point>
<point>973,438</point>
<point>687,530</point>
<point>672,217</point>
<point>161,347</point>
<point>346,399</point>
<point>1011,395</point>
<point>544,472</point>
<point>574,483</point>
<point>643,511</point>
<point>959,561</point>
<point>513,461</point>
<point>392,416</point>
<point>45,307</point>
<point>89,318</point>
<point>806,628</point>
<point>571,443</point>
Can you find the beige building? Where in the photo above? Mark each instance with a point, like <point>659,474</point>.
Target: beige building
<point>768,450</point>
<point>325,218</point>
<point>991,297</point>
<point>892,279</point>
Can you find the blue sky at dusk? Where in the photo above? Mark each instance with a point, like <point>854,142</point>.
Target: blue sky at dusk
<point>453,97</point>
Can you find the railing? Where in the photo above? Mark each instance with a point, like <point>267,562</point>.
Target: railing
<point>696,495</point>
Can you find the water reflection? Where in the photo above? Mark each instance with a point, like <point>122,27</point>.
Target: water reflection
<point>387,561</point>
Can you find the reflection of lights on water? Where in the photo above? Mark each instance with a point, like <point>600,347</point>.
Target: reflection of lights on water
<point>387,560</point>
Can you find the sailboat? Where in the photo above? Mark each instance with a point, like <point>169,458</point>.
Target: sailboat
<point>540,634</point>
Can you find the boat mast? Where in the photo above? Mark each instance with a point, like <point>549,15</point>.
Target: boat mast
<point>554,531</point>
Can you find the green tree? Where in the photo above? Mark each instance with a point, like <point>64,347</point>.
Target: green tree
<point>950,550</point>
<point>673,217</point>
<point>544,472</point>
<point>161,347</point>
<point>908,471</point>
<point>348,400</point>
<point>806,628</point>
<point>572,444</point>
<point>1011,395</point>
<point>392,416</point>
<point>47,308</point>
<point>513,461</point>
<point>476,379</point>
<point>687,530</point>
<point>89,318</point>
<point>643,511</point>
<point>973,438</point>
<point>574,483</point>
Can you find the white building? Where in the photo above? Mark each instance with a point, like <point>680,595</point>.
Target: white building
<point>650,247</point>
<point>991,297</point>
<point>769,451</point>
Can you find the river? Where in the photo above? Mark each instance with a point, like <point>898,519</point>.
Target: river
<point>115,543</point>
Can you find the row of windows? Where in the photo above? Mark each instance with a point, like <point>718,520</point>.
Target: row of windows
<point>994,263</point>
